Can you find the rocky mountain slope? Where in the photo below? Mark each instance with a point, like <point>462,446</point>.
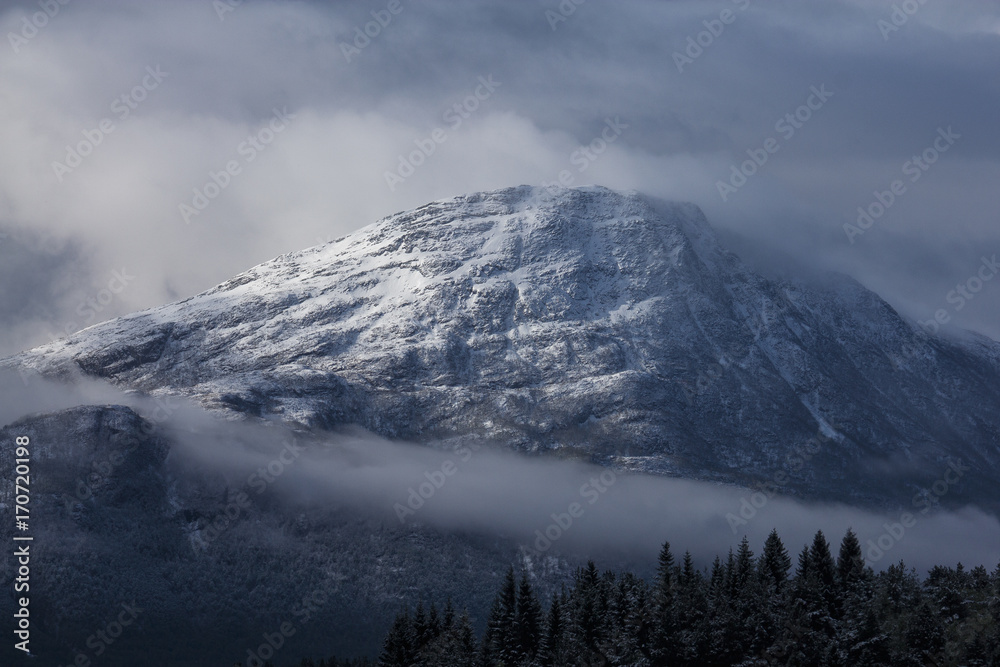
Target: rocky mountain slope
<point>584,322</point>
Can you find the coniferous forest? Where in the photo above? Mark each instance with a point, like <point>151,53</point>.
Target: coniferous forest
<point>747,610</point>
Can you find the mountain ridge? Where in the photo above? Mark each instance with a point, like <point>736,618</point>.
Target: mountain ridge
<point>582,321</point>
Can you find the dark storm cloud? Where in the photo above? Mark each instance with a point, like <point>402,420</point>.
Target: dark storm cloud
<point>40,274</point>
<point>354,113</point>
<point>154,143</point>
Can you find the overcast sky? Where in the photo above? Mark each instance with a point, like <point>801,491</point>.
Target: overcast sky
<point>112,115</point>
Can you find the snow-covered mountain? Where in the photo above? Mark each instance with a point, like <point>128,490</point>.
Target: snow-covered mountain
<point>584,322</point>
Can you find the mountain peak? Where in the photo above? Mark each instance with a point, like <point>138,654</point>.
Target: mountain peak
<point>578,319</point>
<point>523,209</point>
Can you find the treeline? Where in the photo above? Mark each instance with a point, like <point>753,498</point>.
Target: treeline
<point>744,610</point>
<point>323,662</point>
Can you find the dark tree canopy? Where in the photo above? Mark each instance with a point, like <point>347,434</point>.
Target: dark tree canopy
<point>744,610</point>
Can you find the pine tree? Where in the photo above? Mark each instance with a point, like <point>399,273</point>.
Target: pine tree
<point>398,649</point>
<point>552,646</point>
<point>688,574</point>
<point>528,620</point>
<point>775,562</point>
<point>860,632</point>
<point>448,620</point>
<point>802,568</point>
<point>716,577</point>
<point>923,638</point>
<point>994,608</point>
<point>850,562</point>
<point>897,591</point>
<point>454,647</point>
<point>869,644</point>
<point>691,599</point>
<point>586,621</point>
<point>489,649</point>
<point>501,642</point>
<point>665,575</point>
<point>805,635</point>
<point>944,585</point>
<point>465,651</point>
<point>715,622</point>
<point>636,631</point>
<point>724,624</point>
<point>421,628</point>
<point>823,571</point>
<point>665,624</point>
<point>755,626</point>
<point>743,569</point>
<point>737,616</point>
<point>729,573</point>
<point>433,624</point>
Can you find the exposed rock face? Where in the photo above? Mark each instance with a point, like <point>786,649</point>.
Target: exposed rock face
<point>587,323</point>
<point>593,322</point>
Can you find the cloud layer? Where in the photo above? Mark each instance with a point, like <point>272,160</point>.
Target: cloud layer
<point>550,507</point>
<point>698,84</point>
<point>563,508</point>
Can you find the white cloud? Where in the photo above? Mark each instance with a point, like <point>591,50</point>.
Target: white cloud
<point>325,175</point>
